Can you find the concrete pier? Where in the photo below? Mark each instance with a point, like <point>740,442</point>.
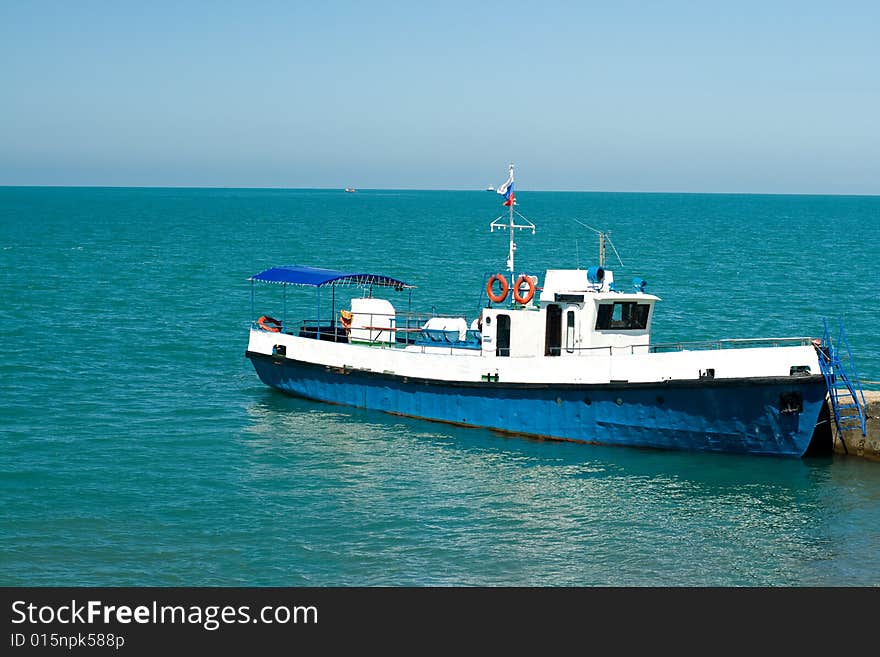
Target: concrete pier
<point>856,444</point>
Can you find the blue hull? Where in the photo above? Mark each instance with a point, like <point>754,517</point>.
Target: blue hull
<point>768,416</point>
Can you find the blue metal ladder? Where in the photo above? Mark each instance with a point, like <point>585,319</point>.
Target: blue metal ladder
<point>842,380</point>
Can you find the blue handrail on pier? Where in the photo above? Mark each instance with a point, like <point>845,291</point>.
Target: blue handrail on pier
<point>844,388</point>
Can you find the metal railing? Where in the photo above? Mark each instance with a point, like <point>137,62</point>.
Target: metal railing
<point>408,329</point>
<point>731,343</point>
<point>703,345</point>
<point>382,329</point>
<point>842,380</point>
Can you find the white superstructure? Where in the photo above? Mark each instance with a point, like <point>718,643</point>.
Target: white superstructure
<point>576,329</point>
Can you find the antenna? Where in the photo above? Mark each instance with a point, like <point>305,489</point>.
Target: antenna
<point>603,236</point>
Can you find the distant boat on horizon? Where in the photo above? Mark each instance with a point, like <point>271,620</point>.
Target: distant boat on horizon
<point>350,189</point>
<point>490,188</point>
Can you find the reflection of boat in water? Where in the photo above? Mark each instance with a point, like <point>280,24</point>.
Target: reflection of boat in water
<point>571,359</point>
<point>350,189</point>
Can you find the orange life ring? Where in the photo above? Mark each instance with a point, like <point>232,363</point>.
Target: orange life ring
<point>505,286</point>
<point>528,297</point>
<point>264,320</point>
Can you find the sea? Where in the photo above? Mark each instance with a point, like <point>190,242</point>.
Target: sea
<point>139,448</point>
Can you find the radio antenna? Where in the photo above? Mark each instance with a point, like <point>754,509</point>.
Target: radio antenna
<point>604,235</point>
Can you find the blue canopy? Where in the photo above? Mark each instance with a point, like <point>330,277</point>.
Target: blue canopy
<point>316,277</point>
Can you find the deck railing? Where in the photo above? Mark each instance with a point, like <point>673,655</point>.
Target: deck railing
<point>665,347</point>
<point>381,329</point>
<point>731,343</point>
<point>408,329</point>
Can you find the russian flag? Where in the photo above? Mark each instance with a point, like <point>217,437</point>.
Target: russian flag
<point>506,190</point>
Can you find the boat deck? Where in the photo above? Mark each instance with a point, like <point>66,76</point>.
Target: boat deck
<point>414,335</point>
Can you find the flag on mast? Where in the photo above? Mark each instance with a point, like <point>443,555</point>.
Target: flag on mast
<point>506,189</point>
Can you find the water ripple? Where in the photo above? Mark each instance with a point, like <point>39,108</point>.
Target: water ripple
<point>137,447</point>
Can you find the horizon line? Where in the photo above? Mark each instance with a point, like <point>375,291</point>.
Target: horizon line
<point>423,189</point>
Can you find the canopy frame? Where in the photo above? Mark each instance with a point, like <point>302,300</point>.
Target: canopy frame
<point>319,277</point>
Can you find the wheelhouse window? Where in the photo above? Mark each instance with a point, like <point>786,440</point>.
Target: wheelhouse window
<point>623,316</point>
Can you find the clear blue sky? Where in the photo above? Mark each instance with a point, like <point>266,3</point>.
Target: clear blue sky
<point>619,96</point>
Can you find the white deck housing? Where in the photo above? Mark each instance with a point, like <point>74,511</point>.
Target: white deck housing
<point>579,332</point>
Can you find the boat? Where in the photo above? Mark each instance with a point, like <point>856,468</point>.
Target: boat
<point>350,189</point>
<point>565,357</point>
<point>490,188</point>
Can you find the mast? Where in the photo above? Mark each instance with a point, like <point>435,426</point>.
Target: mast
<point>511,224</point>
<point>512,249</point>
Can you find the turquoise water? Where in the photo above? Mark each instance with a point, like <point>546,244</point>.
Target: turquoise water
<point>138,447</point>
